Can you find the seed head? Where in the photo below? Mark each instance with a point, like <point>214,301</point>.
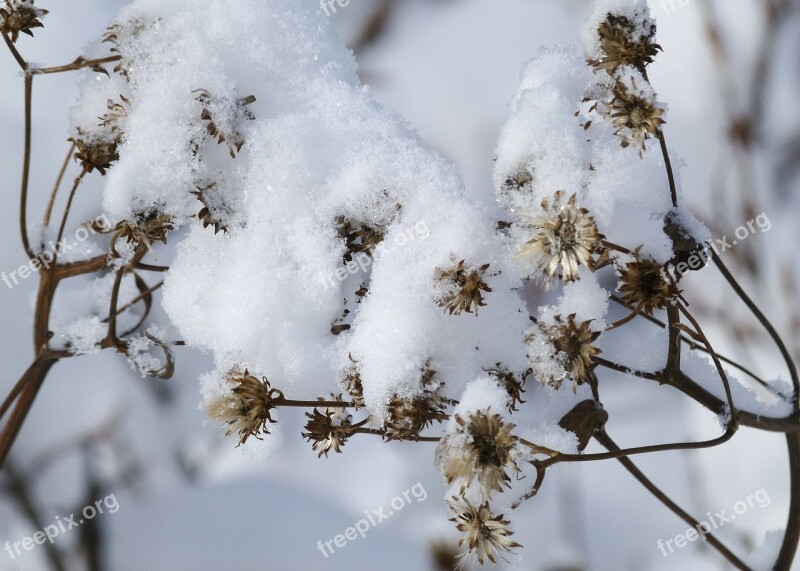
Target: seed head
<point>484,534</point>
<point>463,288</point>
<point>245,405</point>
<point>561,236</point>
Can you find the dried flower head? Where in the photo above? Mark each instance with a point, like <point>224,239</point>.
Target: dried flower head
<point>463,288</point>
<point>145,229</point>
<point>214,124</point>
<point>245,407</point>
<point>329,429</point>
<point>359,237</point>
<point>563,235</point>
<point>483,449</point>
<point>570,344</point>
<point>20,16</point>
<point>484,533</point>
<point>624,43</point>
<point>409,416</point>
<point>645,285</point>
<point>635,115</point>
<point>512,384</point>
<point>95,152</point>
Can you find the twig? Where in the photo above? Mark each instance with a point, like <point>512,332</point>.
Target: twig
<point>79,63</point>
<point>57,186</point>
<point>605,440</point>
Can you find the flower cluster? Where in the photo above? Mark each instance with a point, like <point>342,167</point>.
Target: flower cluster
<point>479,454</point>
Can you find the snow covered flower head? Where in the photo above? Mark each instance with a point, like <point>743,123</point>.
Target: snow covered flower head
<point>463,288</point>
<point>20,16</point>
<point>625,40</point>
<point>634,112</point>
<point>484,534</point>
<point>482,448</point>
<point>563,349</point>
<point>562,236</point>
<point>145,229</point>
<point>409,416</point>
<point>245,405</point>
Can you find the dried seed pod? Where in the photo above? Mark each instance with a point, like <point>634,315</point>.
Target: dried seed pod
<point>20,16</point>
<point>645,286</point>
<point>562,236</point>
<point>635,115</point>
<point>329,429</point>
<point>567,344</point>
<point>481,449</point>
<point>245,406</point>
<point>463,288</point>
<point>484,533</point>
<point>623,43</point>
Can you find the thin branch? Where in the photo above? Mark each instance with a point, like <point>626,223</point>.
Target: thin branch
<point>605,440</point>
<point>623,369</point>
<point>26,166</point>
<point>14,52</point>
<point>762,319</point>
<point>673,191</point>
<point>19,487</point>
<point>79,63</point>
<point>51,202</point>
<point>68,207</point>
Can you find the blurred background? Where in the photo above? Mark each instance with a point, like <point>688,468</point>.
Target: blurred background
<point>730,73</point>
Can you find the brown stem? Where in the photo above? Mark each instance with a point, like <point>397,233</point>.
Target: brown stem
<point>32,381</point>
<point>26,167</point>
<point>68,207</point>
<point>79,63</point>
<point>19,487</point>
<point>673,191</point>
<point>14,52</point>
<point>762,319</point>
<point>623,369</point>
<point>48,212</point>
<point>792,533</point>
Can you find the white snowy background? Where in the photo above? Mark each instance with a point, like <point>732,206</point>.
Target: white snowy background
<point>450,67</point>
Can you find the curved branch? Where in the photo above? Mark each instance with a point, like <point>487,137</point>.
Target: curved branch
<point>605,440</point>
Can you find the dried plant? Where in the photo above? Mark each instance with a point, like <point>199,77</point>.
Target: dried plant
<point>557,236</point>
